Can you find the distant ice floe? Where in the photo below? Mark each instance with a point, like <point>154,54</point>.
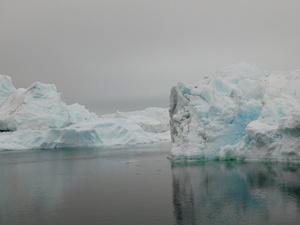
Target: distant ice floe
<point>37,118</point>
<point>239,113</point>
<point>153,120</point>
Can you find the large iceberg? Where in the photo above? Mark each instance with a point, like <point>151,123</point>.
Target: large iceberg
<point>35,107</point>
<point>100,133</point>
<point>238,113</point>
<point>38,118</point>
<point>39,106</point>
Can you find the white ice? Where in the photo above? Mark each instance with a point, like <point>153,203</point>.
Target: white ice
<point>100,133</point>
<point>38,118</point>
<point>238,113</point>
<point>155,121</point>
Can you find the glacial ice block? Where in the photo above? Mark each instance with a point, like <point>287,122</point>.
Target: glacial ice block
<point>100,133</point>
<point>37,118</point>
<point>238,113</point>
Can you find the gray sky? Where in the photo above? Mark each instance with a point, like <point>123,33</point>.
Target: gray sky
<point>127,54</point>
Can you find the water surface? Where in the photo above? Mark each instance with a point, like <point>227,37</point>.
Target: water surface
<point>141,186</point>
<point>236,193</point>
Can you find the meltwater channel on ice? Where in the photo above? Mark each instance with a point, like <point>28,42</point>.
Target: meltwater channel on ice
<point>239,113</point>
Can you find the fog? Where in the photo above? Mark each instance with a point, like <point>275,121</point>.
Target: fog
<point>126,55</point>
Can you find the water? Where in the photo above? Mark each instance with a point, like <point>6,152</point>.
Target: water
<point>141,186</point>
<point>236,193</point>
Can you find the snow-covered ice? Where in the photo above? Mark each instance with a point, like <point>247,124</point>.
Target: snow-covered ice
<point>238,113</point>
<point>37,118</point>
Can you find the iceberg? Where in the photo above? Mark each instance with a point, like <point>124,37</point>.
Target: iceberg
<point>100,133</point>
<point>37,106</point>
<point>155,121</point>
<point>239,113</point>
<point>38,118</point>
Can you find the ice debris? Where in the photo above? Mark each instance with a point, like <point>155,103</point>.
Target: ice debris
<point>240,113</point>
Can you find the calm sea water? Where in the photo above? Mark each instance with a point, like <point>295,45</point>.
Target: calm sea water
<point>141,186</point>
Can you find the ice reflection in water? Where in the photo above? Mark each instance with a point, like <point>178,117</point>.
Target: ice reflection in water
<point>87,186</point>
<point>137,186</point>
<point>236,193</point>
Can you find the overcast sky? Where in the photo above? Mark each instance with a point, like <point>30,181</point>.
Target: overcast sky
<point>127,54</point>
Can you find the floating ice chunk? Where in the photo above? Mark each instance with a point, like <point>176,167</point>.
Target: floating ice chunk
<point>237,113</point>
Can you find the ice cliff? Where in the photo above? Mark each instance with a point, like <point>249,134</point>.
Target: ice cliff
<point>238,113</point>
<point>37,118</point>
